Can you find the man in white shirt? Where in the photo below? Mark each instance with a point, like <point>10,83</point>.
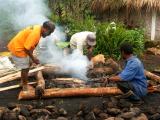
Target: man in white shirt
<point>83,40</point>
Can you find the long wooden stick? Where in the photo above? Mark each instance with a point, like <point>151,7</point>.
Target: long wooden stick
<point>152,76</point>
<point>17,75</point>
<point>13,87</point>
<point>40,84</point>
<point>68,80</point>
<point>70,92</point>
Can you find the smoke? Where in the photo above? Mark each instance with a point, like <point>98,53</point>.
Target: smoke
<point>17,14</point>
<point>74,64</point>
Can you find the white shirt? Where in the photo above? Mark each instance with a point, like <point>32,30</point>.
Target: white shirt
<point>79,40</point>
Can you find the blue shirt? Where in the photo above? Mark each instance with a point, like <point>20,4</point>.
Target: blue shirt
<point>134,73</point>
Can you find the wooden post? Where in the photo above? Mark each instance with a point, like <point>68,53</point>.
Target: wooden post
<point>39,91</point>
<point>153,26</point>
<point>72,92</point>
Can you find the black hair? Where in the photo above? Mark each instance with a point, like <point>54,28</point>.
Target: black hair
<point>49,26</point>
<point>127,48</point>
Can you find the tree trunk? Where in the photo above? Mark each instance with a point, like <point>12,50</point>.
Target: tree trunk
<point>71,92</point>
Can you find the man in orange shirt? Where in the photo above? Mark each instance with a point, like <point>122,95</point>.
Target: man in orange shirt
<point>22,46</point>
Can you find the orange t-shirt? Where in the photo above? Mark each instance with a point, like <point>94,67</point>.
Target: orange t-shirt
<point>25,39</point>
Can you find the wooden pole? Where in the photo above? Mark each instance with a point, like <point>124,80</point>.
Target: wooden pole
<point>17,75</point>
<point>153,26</point>
<point>152,76</point>
<point>13,87</point>
<point>70,92</point>
<point>40,84</point>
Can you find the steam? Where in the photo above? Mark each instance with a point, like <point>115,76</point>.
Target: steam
<point>74,64</point>
<point>17,14</point>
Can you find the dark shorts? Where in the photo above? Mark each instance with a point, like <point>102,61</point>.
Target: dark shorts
<point>125,86</point>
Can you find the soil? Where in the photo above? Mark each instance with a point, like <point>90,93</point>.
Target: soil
<point>150,107</point>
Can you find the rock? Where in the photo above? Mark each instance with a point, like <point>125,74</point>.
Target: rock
<point>80,113</point>
<point>151,110</point>
<point>136,110</point>
<point>103,115</point>
<point>158,109</point>
<point>50,108</point>
<point>2,111</point>
<point>62,118</point>
<point>90,116</point>
<point>155,117</point>
<point>24,111</point>
<point>17,110</point>
<point>20,117</point>
<point>124,104</point>
<point>141,117</point>
<point>12,105</point>
<point>110,105</point>
<point>62,111</point>
<point>119,118</point>
<point>44,118</point>
<point>40,111</point>
<point>128,115</point>
<point>110,118</point>
<point>29,107</point>
<point>10,115</point>
<point>96,111</point>
<point>113,111</point>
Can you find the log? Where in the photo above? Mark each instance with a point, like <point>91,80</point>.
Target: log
<point>13,87</point>
<point>71,92</point>
<point>17,75</point>
<point>68,80</point>
<point>40,84</point>
<point>152,76</point>
<point>153,51</point>
<point>98,59</point>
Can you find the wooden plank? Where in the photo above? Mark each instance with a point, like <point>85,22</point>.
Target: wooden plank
<point>17,75</point>
<point>13,87</point>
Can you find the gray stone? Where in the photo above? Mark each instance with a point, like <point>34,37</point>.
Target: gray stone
<point>155,117</point>
<point>113,111</point>
<point>10,115</point>
<point>142,116</point>
<point>127,115</point>
<point>136,110</point>
<point>20,117</point>
<point>103,115</point>
<point>90,116</point>
<point>24,111</point>
<point>62,118</point>
<point>40,111</point>
<point>62,111</point>
<point>110,118</point>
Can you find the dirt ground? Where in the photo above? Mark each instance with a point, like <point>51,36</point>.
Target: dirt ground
<point>150,106</point>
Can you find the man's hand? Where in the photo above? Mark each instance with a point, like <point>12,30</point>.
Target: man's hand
<point>35,60</point>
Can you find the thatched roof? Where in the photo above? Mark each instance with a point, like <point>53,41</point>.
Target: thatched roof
<point>103,5</point>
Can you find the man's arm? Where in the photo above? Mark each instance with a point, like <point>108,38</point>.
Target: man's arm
<point>30,54</point>
<point>114,78</point>
<point>90,52</point>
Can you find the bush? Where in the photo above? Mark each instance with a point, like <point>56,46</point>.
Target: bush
<point>108,43</point>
